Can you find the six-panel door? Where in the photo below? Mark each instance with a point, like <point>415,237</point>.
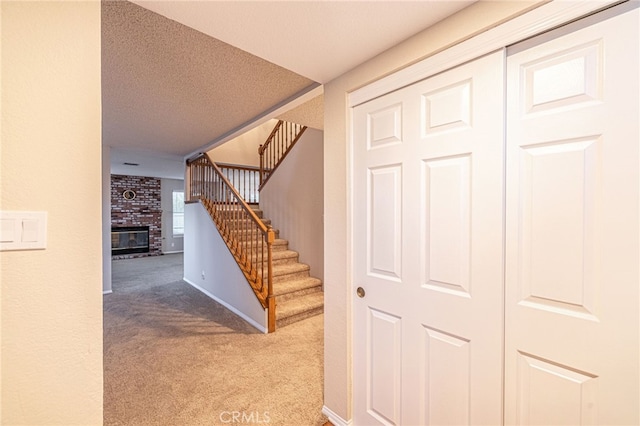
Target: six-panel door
<point>428,250</point>
<point>572,321</point>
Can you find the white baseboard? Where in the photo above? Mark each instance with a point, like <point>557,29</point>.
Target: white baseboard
<point>173,252</point>
<point>226,305</point>
<point>107,292</point>
<point>335,419</point>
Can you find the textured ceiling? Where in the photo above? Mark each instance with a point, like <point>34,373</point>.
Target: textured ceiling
<point>171,89</point>
<point>181,75</point>
<point>310,114</point>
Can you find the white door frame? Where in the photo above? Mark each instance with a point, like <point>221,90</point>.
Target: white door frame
<point>539,20</point>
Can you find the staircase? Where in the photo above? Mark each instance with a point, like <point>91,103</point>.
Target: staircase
<point>279,281</point>
<point>298,295</point>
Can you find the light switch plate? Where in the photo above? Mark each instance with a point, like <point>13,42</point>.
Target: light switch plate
<point>23,230</point>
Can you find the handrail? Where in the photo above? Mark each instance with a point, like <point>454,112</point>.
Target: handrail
<point>247,237</point>
<point>279,143</point>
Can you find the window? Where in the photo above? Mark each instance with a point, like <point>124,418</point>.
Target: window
<point>178,213</point>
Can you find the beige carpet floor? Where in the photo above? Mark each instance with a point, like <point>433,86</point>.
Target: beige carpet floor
<point>173,356</point>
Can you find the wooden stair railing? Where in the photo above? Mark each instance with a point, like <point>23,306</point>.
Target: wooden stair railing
<point>249,240</point>
<point>283,137</point>
<point>246,179</point>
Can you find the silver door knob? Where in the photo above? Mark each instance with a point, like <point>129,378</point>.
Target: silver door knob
<point>360,292</point>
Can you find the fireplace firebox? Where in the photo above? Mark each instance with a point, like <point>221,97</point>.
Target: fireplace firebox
<point>129,239</point>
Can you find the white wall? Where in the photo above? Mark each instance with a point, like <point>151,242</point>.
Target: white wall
<point>293,199</point>
<point>210,267</point>
<point>51,161</point>
<point>170,243</point>
<point>337,276</point>
<point>243,150</point>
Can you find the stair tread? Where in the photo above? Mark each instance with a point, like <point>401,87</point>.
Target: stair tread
<point>291,286</point>
<point>301,304</point>
<point>282,254</point>
<point>281,257</point>
<point>289,268</point>
<point>278,255</point>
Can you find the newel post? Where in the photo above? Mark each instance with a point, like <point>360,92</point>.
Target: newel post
<point>187,181</point>
<point>271,300</point>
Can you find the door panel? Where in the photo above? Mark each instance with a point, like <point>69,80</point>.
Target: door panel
<point>384,257</point>
<point>447,108</point>
<point>559,177</point>
<point>428,163</point>
<point>385,334</point>
<point>571,314</point>
<point>553,394</point>
<point>447,362</point>
<point>447,217</point>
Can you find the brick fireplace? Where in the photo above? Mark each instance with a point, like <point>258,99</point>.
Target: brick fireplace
<point>135,203</point>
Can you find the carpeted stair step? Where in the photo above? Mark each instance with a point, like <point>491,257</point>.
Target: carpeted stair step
<point>279,244</point>
<point>244,224</point>
<point>240,233</point>
<point>236,215</point>
<point>296,288</point>
<point>289,271</point>
<point>299,308</point>
<point>241,222</point>
<point>279,257</point>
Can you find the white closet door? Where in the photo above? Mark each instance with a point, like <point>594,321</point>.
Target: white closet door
<point>428,250</point>
<point>572,279</point>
